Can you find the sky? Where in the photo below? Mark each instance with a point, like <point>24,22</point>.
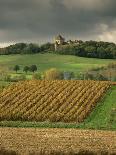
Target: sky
<point>39,21</point>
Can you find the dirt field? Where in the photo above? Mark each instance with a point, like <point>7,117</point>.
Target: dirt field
<point>25,140</point>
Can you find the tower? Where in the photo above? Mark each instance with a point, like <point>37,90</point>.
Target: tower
<point>59,40</point>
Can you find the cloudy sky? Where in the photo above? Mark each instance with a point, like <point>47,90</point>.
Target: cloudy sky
<point>40,20</point>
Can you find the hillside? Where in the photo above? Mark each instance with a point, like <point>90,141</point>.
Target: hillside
<point>49,60</point>
<point>54,101</point>
<point>89,49</point>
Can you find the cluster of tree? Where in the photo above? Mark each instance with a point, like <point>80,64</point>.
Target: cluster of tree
<point>24,48</point>
<point>92,49</point>
<point>32,68</point>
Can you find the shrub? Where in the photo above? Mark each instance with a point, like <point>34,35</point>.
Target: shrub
<point>37,76</point>
<point>53,74</point>
<point>16,68</point>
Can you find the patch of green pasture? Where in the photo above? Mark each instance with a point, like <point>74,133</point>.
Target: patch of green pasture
<point>49,60</point>
<point>101,115</point>
<point>28,75</point>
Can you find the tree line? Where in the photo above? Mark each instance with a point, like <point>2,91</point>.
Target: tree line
<point>92,49</point>
<point>24,48</point>
<point>32,68</point>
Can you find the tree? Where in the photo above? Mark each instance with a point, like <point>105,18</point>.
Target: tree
<point>53,74</point>
<point>26,69</point>
<point>33,68</point>
<point>91,51</point>
<point>47,47</point>
<point>101,52</point>
<point>16,68</point>
<point>31,49</point>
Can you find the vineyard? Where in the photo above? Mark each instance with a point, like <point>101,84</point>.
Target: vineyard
<point>54,101</point>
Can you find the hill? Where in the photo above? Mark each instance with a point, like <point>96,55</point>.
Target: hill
<point>54,101</point>
<point>50,60</point>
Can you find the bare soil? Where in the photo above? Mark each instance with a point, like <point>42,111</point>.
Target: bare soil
<point>24,140</point>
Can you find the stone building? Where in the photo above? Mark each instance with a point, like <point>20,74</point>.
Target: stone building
<point>59,40</point>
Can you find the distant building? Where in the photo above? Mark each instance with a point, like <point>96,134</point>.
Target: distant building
<point>59,40</point>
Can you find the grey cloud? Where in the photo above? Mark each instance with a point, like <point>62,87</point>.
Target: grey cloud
<point>40,20</point>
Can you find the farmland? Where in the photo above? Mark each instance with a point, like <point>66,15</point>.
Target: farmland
<point>62,140</point>
<point>54,101</point>
<point>43,105</point>
<point>39,106</point>
<point>101,112</point>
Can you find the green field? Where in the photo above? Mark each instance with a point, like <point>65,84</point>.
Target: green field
<point>49,60</point>
<point>100,118</point>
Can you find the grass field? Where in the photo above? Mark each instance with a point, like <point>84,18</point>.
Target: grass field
<point>49,60</point>
<point>101,116</point>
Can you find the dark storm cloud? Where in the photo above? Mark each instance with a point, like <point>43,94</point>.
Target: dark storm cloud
<point>40,20</point>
